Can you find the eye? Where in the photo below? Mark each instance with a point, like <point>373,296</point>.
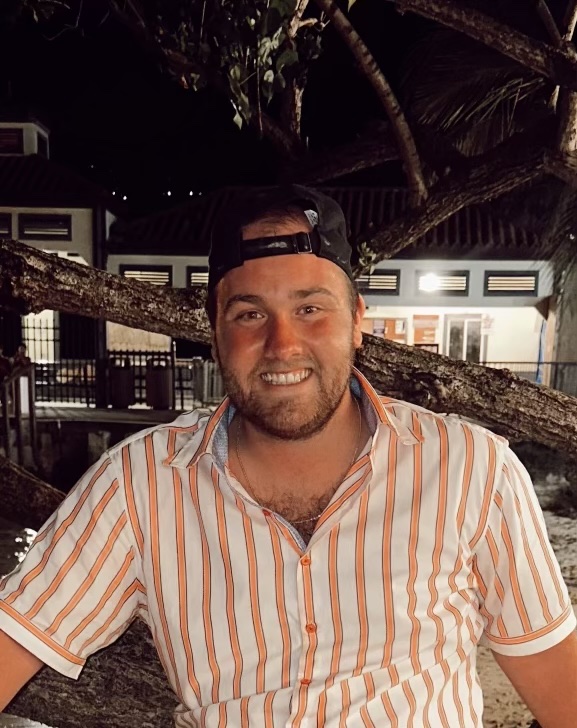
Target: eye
<point>309,309</point>
<point>248,316</point>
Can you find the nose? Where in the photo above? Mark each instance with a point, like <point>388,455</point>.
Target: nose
<point>283,337</point>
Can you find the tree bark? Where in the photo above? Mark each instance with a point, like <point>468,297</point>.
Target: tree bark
<point>25,499</point>
<point>369,151</point>
<point>399,125</point>
<point>123,686</point>
<point>544,59</point>
<point>444,384</point>
<point>483,183</point>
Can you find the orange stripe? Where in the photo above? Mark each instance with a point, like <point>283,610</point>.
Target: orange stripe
<point>430,691</point>
<point>60,531</point>
<point>391,715</point>
<point>134,587</point>
<point>360,583</point>
<point>467,472</point>
<point>412,703</point>
<point>542,539</point>
<point>413,544</point>
<point>268,713</point>
<point>387,554</point>
<point>210,427</point>
<point>487,493</point>
<point>229,586</point>
<point>90,577</point>
<point>66,567</point>
<point>182,572</point>
<point>533,635</point>
<point>281,606</point>
<point>498,583</point>
<point>364,712</point>
<point>39,634</point>
<point>130,502</point>
<point>112,587</point>
<point>244,712</point>
<point>206,578</point>
<point>336,619</point>
<point>350,492</point>
<point>155,553</point>
<point>345,703</point>
<point>517,594</point>
<point>254,595</point>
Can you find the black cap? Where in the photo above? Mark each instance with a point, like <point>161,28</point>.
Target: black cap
<point>328,239</point>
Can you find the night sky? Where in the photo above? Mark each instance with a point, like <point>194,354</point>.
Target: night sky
<point>118,117</point>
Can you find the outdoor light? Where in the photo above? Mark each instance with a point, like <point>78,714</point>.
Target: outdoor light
<point>124,197</point>
<point>430,282</point>
<point>191,193</point>
<point>169,193</point>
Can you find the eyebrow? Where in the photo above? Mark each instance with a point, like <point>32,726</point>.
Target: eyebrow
<point>299,294</point>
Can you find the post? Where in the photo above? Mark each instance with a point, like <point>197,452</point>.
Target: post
<point>18,420</point>
<point>32,415</point>
<point>6,420</point>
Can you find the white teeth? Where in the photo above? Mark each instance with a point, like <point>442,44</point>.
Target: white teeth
<point>286,378</point>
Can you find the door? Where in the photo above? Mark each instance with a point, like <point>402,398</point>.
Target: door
<point>463,338</point>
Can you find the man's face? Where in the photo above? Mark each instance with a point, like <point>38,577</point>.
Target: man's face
<point>285,338</point>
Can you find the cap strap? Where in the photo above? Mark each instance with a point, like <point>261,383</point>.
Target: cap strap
<point>280,245</point>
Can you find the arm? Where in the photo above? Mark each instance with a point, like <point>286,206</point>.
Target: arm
<point>17,667</point>
<point>547,682</point>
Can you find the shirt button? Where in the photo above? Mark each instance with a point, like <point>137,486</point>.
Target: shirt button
<point>305,561</point>
<point>266,513</point>
<point>305,681</point>
<point>310,628</point>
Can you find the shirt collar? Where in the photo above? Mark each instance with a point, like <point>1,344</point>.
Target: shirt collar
<point>211,438</point>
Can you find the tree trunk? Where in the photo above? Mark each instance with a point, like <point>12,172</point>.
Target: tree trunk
<point>33,281</point>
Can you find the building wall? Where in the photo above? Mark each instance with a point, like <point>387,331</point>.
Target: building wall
<point>81,242</point>
<point>510,334</point>
<point>30,134</point>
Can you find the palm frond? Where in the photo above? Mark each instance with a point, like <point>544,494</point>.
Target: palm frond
<point>474,96</point>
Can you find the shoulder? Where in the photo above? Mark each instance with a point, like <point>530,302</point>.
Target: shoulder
<point>188,424</point>
<point>429,423</point>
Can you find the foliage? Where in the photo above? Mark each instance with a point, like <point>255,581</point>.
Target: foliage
<point>244,45</point>
<point>482,105</point>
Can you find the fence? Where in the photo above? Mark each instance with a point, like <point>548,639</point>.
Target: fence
<point>557,375</point>
<point>130,378</point>
<point>17,409</point>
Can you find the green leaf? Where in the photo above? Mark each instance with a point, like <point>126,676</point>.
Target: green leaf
<point>287,58</point>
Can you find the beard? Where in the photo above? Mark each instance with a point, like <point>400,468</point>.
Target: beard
<point>289,417</point>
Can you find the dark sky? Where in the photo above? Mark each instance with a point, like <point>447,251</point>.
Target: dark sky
<point>119,118</point>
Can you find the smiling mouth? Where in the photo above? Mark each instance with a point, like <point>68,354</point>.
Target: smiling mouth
<point>286,378</point>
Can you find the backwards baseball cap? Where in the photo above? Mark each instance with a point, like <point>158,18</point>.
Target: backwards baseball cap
<point>328,238</point>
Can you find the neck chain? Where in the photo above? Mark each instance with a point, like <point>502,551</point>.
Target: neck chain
<point>248,483</point>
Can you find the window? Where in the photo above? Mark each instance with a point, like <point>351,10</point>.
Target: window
<point>156,275</point>
<point>464,337</point>
<point>386,282</point>
<point>42,145</point>
<point>5,225</point>
<point>11,141</point>
<point>196,276</point>
<point>443,283</point>
<point>511,283</point>
<point>44,227</point>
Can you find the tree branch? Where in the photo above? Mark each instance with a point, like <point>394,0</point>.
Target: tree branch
<point>25,499</point>
<point>369,151</point>
<point>296,22</point>
<point>484,182</point>
<point>570,21</point>
<point>554,63</point>
<point>31,280</point>
<point>549,22</point>
<point>370,69</point>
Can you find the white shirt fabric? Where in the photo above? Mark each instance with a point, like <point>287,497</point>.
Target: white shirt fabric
<point>433,543</point>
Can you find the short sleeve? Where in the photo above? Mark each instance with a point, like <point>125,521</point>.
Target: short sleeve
<point>525,604</point>
<point>77,589</point>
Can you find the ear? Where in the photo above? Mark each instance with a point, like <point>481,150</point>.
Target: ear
<point>358,321</point>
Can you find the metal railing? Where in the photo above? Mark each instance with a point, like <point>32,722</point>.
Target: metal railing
<point>130,378</point>
<point>17,394</point>
<point>557,375</point>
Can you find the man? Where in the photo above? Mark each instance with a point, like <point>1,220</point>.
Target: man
<point>310,554</point>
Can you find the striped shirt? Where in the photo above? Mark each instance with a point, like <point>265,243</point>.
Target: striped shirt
<point>433,543</point>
